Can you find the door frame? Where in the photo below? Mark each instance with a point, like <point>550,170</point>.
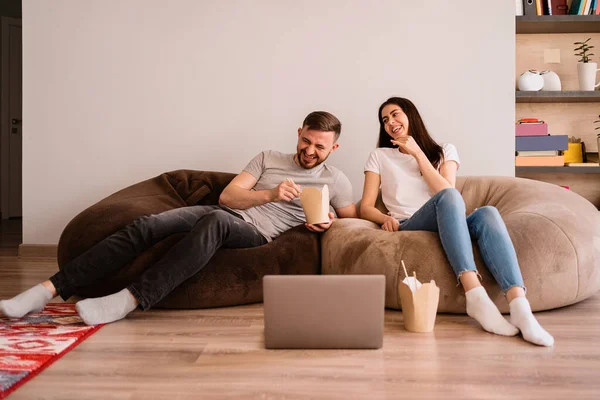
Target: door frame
<point>5,122</point>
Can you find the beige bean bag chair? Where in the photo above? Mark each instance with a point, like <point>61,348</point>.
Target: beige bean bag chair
<point>556,234</point>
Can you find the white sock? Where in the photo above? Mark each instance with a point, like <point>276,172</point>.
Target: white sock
<point>483,309</point>
<point>31,300</point>
<point>522,317</point>
<point>103,310</point>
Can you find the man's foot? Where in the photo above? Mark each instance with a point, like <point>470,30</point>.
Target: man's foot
<point>103,310</point>
<point>522,317</point>
<point>31,300</point>
<point>483,309</point>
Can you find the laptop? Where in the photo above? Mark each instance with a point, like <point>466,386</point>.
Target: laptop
<point>324,311</point>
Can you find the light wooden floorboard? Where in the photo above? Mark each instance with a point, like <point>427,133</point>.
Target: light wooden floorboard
<point>219,354</point>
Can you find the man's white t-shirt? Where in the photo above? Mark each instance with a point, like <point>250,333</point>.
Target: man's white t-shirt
<point>403,188</point>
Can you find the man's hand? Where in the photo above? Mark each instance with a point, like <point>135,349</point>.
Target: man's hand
<point>390,224</point>
<point>320,227</point>
<point>285,191</point>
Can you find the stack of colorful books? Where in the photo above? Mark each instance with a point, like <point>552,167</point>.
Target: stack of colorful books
<point>583,7</point>
<point>535,147</point>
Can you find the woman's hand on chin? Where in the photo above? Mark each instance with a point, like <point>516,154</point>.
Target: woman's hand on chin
<point>408,145</point>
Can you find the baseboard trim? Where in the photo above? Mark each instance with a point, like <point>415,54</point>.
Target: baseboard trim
<point>38,250</point>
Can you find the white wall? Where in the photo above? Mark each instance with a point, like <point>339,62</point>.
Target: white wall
<point>116,92</point>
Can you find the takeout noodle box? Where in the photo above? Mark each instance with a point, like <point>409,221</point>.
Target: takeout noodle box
<point>315,203</point>
<point>419,308</point>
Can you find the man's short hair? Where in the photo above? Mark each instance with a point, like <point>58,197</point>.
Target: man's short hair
<point>324,122</point>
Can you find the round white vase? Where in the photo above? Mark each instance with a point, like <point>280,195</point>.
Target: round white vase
<point>551,81</point>
<point>586,72</point>
<point>531,81</point>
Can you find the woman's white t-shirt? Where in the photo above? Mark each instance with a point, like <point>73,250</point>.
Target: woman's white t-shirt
<point>403,188</point>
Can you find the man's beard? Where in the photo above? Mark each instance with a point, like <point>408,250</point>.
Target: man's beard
<point>303,165</point>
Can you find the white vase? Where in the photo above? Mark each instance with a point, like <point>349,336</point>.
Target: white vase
<point>519,5</point>
<point>531,81</point>
<point>586,72</point>
<point>551,81</point>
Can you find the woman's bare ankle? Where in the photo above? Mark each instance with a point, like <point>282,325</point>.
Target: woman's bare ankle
<point>469,280</point>
<point>48,285</point>
<point>514,292</point>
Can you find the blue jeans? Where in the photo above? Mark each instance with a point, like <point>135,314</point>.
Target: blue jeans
<point>208,228</point>
<point>445,213</point>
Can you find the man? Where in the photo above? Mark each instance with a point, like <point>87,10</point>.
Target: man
<point>256,207</point>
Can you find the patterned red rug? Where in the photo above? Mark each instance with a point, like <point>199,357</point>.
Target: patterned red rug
<point>29,345</point>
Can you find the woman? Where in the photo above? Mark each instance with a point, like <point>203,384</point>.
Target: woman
<point>417,178</point>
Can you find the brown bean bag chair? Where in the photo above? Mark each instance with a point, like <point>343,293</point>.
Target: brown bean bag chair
<point>556,234</point>
<point>232,277</point>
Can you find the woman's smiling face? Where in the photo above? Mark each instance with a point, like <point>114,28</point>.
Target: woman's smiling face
<point>395,121</point>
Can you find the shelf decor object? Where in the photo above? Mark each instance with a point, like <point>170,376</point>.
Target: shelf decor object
<point>565,96</point>
<point>541,24</point>
<point>586,69</point>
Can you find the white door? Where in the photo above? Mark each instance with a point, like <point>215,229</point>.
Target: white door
<point>11,126</point>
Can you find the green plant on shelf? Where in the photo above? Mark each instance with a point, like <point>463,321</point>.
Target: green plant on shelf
<point>583,50</point>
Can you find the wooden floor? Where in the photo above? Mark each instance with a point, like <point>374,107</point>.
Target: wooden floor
<point>219,354</point>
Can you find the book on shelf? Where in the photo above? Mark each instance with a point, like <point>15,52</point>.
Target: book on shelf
<point>592,157</point>
<point>583,7</point>
<point>531,127</point>
<point>526,129</point>
<point>586,7</point>
<point>530,121</point>
<point>545,7</point>
<point>590,7</point>
<point>575,6</point>
<point>529,8</point>
<point>541,143</point>
<point>544,161</point>
<point>546,153</point>
<point>559,7</point>
<point>583,164</point>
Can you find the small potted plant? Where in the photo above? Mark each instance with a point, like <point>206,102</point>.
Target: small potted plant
<point>586,70</point>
